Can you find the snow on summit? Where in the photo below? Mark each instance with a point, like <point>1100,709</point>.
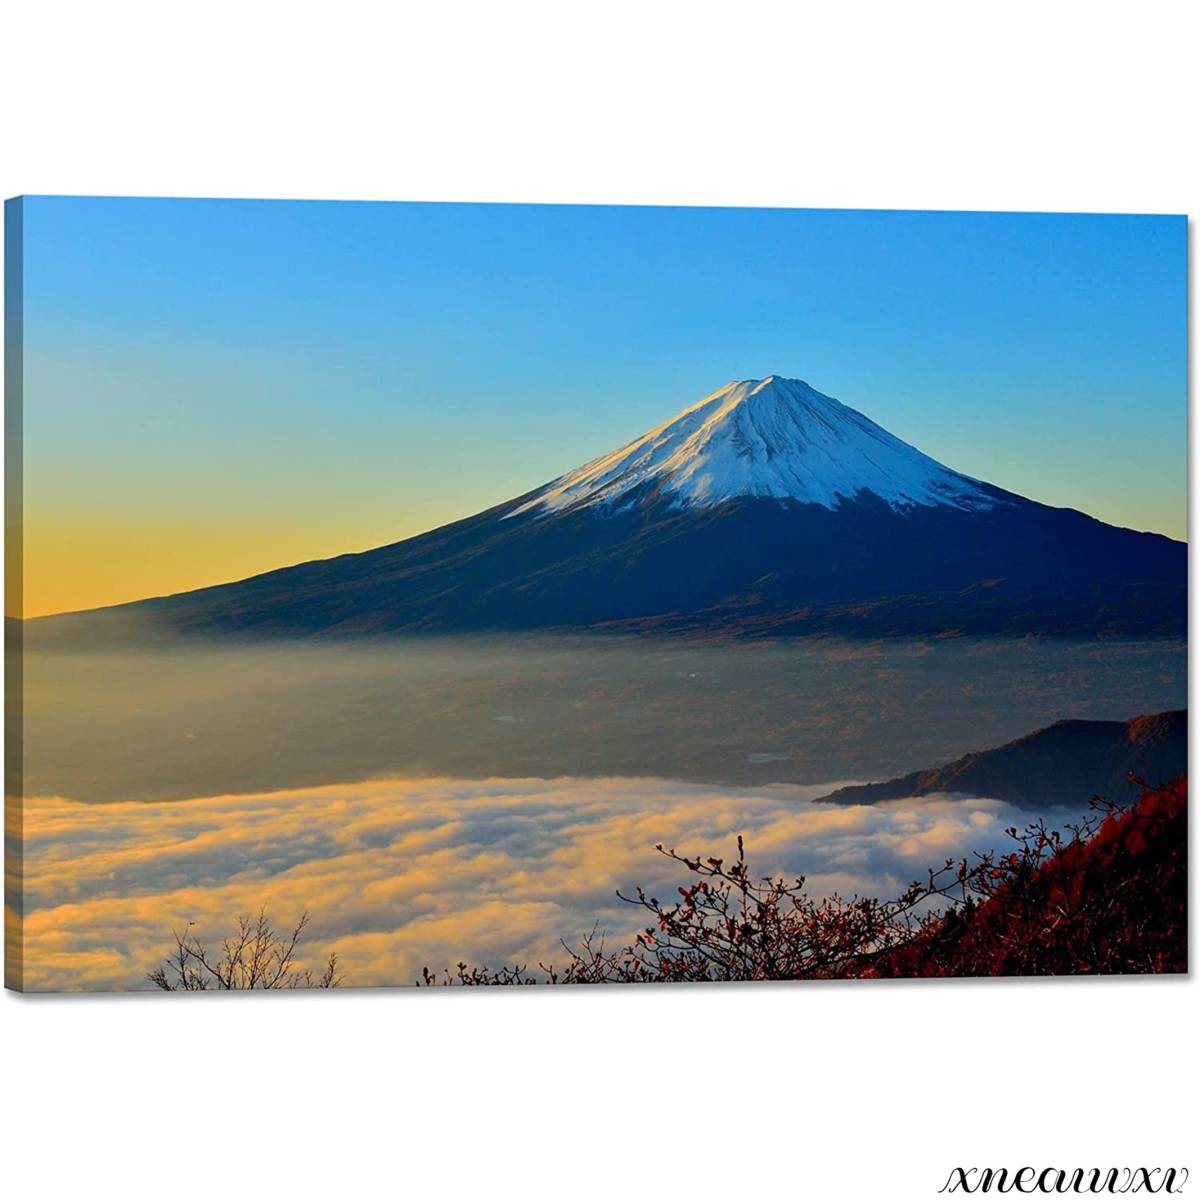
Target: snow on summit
<point>769,437</point>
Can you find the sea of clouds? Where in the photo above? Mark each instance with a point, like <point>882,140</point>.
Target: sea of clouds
<point>402,873</point>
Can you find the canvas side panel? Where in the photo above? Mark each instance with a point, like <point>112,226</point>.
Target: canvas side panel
<point>14,595</point>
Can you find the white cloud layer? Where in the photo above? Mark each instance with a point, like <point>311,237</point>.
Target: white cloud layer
<point>400,873</point>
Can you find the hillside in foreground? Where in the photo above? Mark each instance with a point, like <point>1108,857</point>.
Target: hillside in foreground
<point>1115,904</point>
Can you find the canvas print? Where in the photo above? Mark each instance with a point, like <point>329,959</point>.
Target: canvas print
<point>452,594</point>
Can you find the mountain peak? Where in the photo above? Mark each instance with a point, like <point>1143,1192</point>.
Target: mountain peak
<point>769,382</point>
<point>766,382</point>
<point>745,389</point>
<point>773,437</point>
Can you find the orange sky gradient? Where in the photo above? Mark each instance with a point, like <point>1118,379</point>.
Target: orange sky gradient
<point>77,563</point>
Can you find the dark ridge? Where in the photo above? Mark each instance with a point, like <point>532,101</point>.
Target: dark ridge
<point>1066,763</point>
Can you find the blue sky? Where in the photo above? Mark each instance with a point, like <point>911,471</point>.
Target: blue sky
<point>219,387</point>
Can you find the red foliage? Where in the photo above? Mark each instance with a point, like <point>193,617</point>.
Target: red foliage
<point>1109,904</point>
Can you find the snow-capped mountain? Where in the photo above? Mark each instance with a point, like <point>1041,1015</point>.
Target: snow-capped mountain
<point>769,437</point>
<point>765,509</point>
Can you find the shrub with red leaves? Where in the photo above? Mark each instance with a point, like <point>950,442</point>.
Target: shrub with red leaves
<point>1110,898</point>
<point>1112,903</point>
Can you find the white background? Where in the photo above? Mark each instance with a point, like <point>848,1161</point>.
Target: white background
<point>861,1090</point>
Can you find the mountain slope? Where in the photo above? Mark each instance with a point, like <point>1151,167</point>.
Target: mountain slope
<point>1066,763</point>
<point>766,509</point>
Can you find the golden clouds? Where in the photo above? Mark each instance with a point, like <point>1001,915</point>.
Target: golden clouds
<point>401,873</point>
